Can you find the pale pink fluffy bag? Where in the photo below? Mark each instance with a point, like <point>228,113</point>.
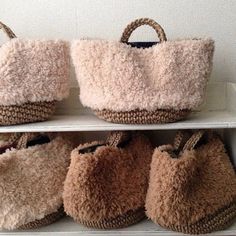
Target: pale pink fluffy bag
<point>34,75</point>
<point>126,84</point>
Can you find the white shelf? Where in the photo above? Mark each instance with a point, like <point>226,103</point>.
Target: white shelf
<point>89,122</point>
<point>218,111</point>
<point>66,227</point>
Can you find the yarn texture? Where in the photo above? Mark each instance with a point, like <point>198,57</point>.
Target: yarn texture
<point>31,182</point>
<point>33,71</point>
<point>188,193</point>
<point>108,183</point>
<point>117,77</point>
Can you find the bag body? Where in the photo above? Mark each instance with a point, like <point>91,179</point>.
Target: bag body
<point>34,75</point>
<point>192,189</point>
<point>107,182</point>
<point>32,173</point>
<point>129,83</point>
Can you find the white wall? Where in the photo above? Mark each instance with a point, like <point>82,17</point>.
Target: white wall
<point>69,19</point>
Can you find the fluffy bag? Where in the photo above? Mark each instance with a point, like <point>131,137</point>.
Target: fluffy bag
<point>33,168</point>
<point>34,74</point>
<point>192,189</point>
<point>106,183</point>
<point>129,83</point>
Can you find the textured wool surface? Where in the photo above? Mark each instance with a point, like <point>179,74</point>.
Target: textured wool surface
<point>109,182</point>
<point>31,182</point>
<point>183,191</point>
<point>33,71</point>
<point>118,77</point>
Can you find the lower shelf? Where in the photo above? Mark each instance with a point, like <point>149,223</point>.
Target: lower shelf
<point>66,227</point>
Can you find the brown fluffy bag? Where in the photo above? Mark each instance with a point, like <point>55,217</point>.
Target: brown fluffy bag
<point>192,187</point>
<point>107,182</point>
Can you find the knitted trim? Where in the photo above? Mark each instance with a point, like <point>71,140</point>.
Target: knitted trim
<point>218,221</point>
<point>26,113</point>
<point>142,116</point>
<point>121,221</point>
<point>47,220</point>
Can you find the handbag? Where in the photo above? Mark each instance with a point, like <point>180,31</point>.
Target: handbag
<point>192,187</point>
<point>142,82</point>
<point>106,183</point>
<point>34,76</point>
<point>33,167</point>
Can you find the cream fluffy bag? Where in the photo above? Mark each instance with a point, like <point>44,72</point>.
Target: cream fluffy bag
<point>129,83</point>
<point>34,74</point>
<point>33,168</point>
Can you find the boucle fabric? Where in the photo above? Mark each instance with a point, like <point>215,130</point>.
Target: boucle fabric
<point>184,191</point>
<point>108,182</point>
<point>118,77</point>
<point>33,71</point>
<point>31,182</point>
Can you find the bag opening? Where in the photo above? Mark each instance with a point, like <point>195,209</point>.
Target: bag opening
<point>90,149</point>
<point>39,140</point>
<point>142,44</point>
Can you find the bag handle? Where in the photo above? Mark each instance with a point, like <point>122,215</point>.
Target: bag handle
<point>118,138</point>
<point>10,142</point>
<point>139,22</point>
<point>7,31</point>
<point>18,141</point>
<point>114,139</point>
<point>24,139</point>
<point>180,144</point>
<point>193,140</point>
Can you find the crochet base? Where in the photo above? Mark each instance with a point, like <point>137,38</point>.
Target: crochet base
<point>121,221</point>
<point>47,220</point>
<point>222,219</point>
<point>142,116</point>
<point>26,113</point>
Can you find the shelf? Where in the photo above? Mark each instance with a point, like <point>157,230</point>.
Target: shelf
<point>218,112</point>
<point>89,122</point>
<point>66,227</point>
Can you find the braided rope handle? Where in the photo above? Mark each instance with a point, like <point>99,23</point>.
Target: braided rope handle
<point>11,140</point>
<point>24,139</point>
<point>19,140</point>
<point>139,22</point>
<point>178,140</point>
<point>117,137</point>
<point>194,139</point>
<point>7,31</point>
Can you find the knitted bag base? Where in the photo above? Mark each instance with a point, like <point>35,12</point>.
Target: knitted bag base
<point>47,220</point>
<point>26,113</point>
<point>219,221</point>
<point>121,221</point>
<point>142,116</point>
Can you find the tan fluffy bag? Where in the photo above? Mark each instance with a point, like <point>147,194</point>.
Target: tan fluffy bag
<point>192,187</point>
<point>33,168</point>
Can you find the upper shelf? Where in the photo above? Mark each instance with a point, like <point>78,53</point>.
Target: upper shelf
<point>89,122</point>
<point>218,112</point>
